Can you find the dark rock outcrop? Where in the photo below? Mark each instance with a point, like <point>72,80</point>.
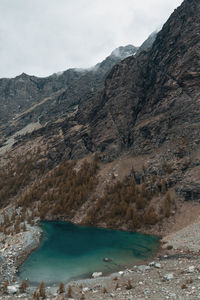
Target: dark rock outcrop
<point>27,99</point>
<point>154,98</point>
<point>148,42</point>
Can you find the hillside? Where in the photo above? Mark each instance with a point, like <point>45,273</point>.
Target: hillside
<point>134,117</point>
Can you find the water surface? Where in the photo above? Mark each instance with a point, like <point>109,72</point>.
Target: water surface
<point>68,251</point>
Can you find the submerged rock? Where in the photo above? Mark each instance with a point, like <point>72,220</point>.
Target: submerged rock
<point>107,259</point>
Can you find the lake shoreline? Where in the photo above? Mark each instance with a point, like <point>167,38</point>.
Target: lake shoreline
<point>15,251</point>
<point>114,265</point>
<point>25,249</point>
<point>145,281</point>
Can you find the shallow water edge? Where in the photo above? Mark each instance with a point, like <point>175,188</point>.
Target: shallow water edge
<point>91,246</point>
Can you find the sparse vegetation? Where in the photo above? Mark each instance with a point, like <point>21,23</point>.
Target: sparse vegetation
<point>129,285</point>
<point>117,286</point>
<point>126,200</point>
<point>61,288</point>
<point>42,292</point>
<point>23,287</point>
<point>5,287</point>
<point>36,296</point>
<point>62,190</point>
<point>105,290</point>
<point>19,173</point>
<point>69,291</point>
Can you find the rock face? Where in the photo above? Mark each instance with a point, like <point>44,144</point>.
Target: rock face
<point>153,98</point>
<point>27,99</point>
<point>151,101</point>
<point>148,42</point>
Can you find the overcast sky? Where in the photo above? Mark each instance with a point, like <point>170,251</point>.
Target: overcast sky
<point>41,37</point>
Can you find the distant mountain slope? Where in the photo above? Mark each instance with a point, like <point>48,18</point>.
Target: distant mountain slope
<point>52,95</point>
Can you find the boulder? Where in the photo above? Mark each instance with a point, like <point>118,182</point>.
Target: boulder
<point>107,259</point>
<point>168,276</point>
<point>97,274</point>
<point>191,269</point>
<point>157,265</point>
<point>13,289</point>
<point>143,268</point>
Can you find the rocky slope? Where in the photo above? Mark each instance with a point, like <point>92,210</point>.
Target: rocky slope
<point>150,99</point>
<point>27,99</point>
<point>150,103</point>
<point>148,42</point>
<point>147,102</point>
<point>146,106</point>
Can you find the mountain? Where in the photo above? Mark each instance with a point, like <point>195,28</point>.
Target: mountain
<point>147,96</point>
<point>26,99</point>
<point>148,42</point>
<point>137,114</point>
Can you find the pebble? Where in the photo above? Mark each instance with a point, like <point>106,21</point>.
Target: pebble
<point>155,264</point>
<point>143,268</point>
<point>97,274</point>
<point>191,269</point>
<point>173,296</point>
<point>146,292</point>
<point>169,276</point>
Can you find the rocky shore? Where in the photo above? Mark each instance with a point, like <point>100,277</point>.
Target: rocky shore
<point>174,274</point>
<point>14,250</point>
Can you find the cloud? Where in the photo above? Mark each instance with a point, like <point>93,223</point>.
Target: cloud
<point>41,37</point>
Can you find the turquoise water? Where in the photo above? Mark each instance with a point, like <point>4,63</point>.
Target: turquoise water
<point>69,251</point>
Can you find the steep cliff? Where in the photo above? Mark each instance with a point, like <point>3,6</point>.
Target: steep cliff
<point>154,97</point>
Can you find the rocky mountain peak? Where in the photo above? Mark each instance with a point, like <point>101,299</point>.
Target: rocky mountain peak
<point>148,42</point>
<point>124,51</point>
<point>23,75</point>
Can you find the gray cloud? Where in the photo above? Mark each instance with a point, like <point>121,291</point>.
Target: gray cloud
<point>40,37</point>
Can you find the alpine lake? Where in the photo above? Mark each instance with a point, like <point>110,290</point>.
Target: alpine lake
<point>68,252</point>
